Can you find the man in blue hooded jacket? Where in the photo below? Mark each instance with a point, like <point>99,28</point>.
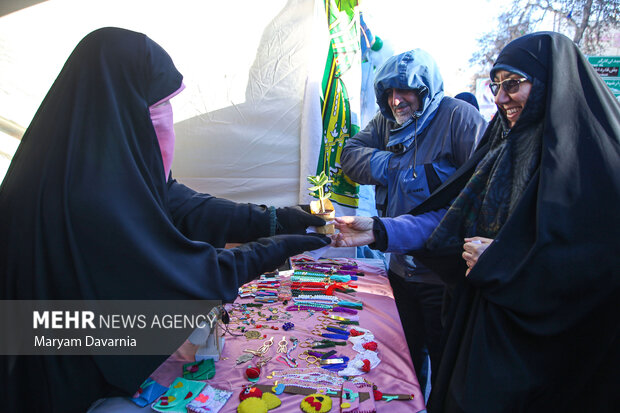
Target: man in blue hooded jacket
<point>416,141</point>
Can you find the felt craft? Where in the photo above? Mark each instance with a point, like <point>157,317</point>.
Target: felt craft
<point>278,389</point>
<point>210,400</point>
<point>349,398</point>
<point>248,392</point>
<point>180,393</point>
<point>316,403</point>
<point>252,405</point>
<point>308,390</point>
<point>357,398</point>
<point>271,400</point>
<point>148,392</point>
<point>244,358</point>
<point>199,370</point>
<point>266,402</point>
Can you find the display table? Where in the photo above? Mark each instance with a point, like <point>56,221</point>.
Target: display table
<point>393,375</point>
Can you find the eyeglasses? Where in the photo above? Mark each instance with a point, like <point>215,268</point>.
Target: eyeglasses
<point>509,85</point>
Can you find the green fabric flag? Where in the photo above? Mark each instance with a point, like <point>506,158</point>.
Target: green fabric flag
<point>340,86</point>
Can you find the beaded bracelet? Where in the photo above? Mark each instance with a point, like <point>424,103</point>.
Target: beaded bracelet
<point>320,297</point>
<point>286,360</point>
<point>304,307</point>
<point>314,304</point>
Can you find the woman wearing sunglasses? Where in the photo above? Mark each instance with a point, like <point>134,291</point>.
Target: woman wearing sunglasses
<point>534,325</point>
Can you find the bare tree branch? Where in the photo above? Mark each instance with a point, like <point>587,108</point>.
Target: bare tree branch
<point>590,23</point>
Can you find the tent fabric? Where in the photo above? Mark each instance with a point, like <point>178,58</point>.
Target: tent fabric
<point>237,122</point>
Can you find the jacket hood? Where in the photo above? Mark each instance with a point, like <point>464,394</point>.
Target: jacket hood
<point>417,70</point>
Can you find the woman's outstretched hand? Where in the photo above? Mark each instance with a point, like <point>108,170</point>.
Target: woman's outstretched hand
<point>354,231</point>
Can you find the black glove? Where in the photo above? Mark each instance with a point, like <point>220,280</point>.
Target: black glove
<point>272,252</point>
<point>294,220</point>
<point>296,244</point>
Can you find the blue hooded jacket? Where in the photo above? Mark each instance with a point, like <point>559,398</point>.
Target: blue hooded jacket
<point>406,163</point>
<point>414,70</point>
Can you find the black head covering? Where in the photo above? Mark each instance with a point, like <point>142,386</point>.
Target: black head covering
<point>529,55</point>
<point>534,326</point>
<point>469,98</point>
<point>501,176</point>
<point>86,213</point>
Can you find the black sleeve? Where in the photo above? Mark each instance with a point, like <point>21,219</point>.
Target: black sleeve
<point>217,221</point>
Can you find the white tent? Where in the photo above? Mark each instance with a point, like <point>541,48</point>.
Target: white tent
<point>247,65</point>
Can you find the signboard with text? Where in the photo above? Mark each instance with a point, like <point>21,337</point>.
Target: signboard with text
<point>608,68</point>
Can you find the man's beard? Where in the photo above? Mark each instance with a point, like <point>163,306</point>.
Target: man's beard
<point>401,120</point>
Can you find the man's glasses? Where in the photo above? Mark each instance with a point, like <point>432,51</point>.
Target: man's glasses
<point>509,85</point>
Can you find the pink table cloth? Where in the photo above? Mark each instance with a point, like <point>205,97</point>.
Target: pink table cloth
<point>394,374</point>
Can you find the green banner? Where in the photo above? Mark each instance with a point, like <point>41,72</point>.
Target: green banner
<point>343,59</point>
<point>609,69</point>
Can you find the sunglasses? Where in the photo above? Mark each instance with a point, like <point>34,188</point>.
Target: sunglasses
<point>509,85</point>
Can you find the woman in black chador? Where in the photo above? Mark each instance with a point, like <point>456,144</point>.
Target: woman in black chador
<point>89,211</point>
<point>534,325</point>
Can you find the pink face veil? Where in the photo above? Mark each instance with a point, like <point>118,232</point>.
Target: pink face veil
<point>163,123</point>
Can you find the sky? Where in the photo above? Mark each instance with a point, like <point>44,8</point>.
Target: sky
<point>447,29</point>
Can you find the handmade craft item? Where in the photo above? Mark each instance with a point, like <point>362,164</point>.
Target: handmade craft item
<point>351,398</point>
<point>316,379</point>
<point>210,400</point>
<point>316,403</point>
<point>262,349</point>
<point>148,392</point>
<point>367,358</point>
<point>307,390</point>
<point>266,402</point>
<point>250,391</point>
<point>252,373</point>
<point>199,370</point>
<point>244,358</point>
<point>178,395</point>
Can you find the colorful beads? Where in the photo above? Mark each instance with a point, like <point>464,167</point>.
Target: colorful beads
<point>288,326</point>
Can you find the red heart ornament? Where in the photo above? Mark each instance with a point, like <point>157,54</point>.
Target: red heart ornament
<point>366,366</point>
<point>371,345</point>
